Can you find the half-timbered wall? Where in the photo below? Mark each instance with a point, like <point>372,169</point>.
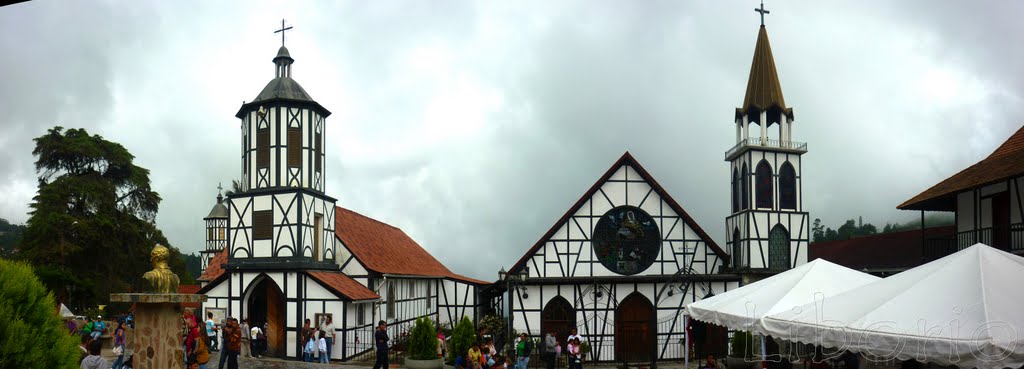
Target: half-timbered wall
<point>278,120</point>
<point>976,219</point>
<point>293,230</point>
<point>754,224</point>
<point>455,299</point>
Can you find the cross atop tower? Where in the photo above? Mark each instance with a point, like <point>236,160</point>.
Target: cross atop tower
<point>761,10</point>
<point>283,29</point>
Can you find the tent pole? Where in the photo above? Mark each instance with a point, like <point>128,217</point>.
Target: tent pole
<point>686,342</point>
<point>764,353</point>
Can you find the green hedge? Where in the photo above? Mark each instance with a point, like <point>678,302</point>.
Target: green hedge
<point>32,335</point>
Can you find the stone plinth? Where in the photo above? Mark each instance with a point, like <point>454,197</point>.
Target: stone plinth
<point>157,338</point>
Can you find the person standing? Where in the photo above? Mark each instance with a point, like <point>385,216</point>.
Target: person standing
<point>233,341</point>
<point>255,333</point>
<point>549,349</point>
<point>211,333</point>
<point>244,327</point>
<point>119,345</point>
<point>94,360</point>
<point>324,358</point>
<point>328,329</point>
<point>523,350</point>
<point>380,337</point>
<point>306,328</point>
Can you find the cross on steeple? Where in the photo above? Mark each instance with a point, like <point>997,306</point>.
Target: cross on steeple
<point>283,29</point>
<point>761,10</point>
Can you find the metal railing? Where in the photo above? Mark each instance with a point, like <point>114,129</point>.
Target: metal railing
<point>770,143</point>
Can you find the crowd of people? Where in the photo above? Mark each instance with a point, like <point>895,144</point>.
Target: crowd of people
<point>92,332</point>
<point>483,354</point>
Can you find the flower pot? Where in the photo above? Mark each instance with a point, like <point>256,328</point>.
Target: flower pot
<point>446,366</point>
<point>423,364</point>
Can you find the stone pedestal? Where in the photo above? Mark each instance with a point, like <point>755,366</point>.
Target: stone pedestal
<point>157,338</point>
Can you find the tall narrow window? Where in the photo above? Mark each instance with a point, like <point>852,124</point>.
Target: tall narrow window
<point>763,181</point>
<point>430,295</point>
<point>294,147</point>
<point>778,248</point>
<point>787,186</point>
<point>737,251</point>
<point>319,152</point>
<point>391,300</point>
<point>318,230</point>
<point>360,314</point>
<point>263,148</point>
<point>745,187</point>
<point>735,191</point>
<point>263,225</point>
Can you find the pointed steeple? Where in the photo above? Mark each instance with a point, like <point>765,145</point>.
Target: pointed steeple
<point>764,91</point>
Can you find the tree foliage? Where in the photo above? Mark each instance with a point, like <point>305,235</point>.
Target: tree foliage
<point>31,335</point>
<point>423,343</point>
<point>742,345</point>
<point>92,220</point>
<point>463,337</point>
<point>857,228</point>
<point>10,237</point>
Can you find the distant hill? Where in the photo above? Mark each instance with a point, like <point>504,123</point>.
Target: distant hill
<point>10,236</point>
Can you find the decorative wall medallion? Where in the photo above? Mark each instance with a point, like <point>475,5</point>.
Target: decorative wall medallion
<point>626,240</point>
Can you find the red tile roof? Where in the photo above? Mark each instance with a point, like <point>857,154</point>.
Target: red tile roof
<point>344,285</point>
<point>1005,162</point>
<point>626,159</point>
<point>896,250</point>
<point>189,289</point>
<point>215,269</point>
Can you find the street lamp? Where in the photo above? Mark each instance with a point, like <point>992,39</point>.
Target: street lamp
<point>513,281</point>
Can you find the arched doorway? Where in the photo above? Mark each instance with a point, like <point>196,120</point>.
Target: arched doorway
<point>558,316</point>
<point>266,305</point>
<point>635,330</point>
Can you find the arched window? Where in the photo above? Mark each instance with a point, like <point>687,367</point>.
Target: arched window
<point>745,188</point>
<point>763,183</point>
<point>737,252</point>
<point>735,191</point>
<point>787,186</point>
<point>391,300</point>
<point>778,248</point>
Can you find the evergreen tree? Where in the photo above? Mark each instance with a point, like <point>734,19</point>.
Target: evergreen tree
<point>32,334</point>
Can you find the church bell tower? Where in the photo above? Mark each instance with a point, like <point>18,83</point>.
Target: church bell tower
<point>767,231</point>
<point>282,218</point>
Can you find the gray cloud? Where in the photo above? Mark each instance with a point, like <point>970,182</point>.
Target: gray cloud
<point>474,126</point>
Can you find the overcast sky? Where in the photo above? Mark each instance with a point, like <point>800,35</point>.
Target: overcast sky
<point>473,125</point>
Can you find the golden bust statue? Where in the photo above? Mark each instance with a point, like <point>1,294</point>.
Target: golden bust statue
<point>161,278</point>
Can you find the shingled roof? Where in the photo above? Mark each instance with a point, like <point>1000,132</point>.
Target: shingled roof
<point>764,91</point>
<point>215,269</point>
<point>1007,161</point>
<point>385,249</point>
<point>344,285</point>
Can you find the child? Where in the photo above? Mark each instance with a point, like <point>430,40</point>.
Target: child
<point>323,348</point>
<point>474,356</point>
<point>460,362</point>
<point>310,348</point>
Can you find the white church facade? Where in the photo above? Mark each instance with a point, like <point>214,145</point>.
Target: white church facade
<point>280,251</point>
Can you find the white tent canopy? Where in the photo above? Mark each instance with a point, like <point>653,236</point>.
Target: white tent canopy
<point>65,312</point>
<point>966,309</point>
<point>743,308</point>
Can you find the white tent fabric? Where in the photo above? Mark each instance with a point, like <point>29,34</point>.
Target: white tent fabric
<point>65,312</point>
<point>966,309</point>
<point>743,308</point>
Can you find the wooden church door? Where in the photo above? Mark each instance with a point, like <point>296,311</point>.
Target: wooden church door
<point>560,317</point>
<point>635,330</point>
<point>266,305</point>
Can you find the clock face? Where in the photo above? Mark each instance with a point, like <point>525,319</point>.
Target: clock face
<point>626,240</point>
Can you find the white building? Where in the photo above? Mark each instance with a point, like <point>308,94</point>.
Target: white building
<point>290,254</point>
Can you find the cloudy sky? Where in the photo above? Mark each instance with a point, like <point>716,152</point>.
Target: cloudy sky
<point>473,125</point>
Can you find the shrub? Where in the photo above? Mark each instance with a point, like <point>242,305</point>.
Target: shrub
<point>31,333</point>
<point>463,337</point>
<point>423,341</point>
<point>742,345</point>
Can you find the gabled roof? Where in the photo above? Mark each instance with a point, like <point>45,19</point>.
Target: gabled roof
<point>626,159</point>
<point>764,91</point>
<point>1005,162</point>
<point>385,249</point>
<point>215,269</point>
<point>902,250</point>
<point>344,285</point>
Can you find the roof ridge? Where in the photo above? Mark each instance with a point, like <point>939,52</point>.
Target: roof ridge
<point>368,217</point>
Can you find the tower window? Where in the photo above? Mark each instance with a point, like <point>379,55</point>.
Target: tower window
<point>763,178</point>
<point>319,149</point>
<point>294,147</point>
<point>737,251</point>
<point>735,191</point>
<point>263,148</point>
<point>778,248</point>
<point>787,186</point>
<point>263,225</point>
<point>745,188</point>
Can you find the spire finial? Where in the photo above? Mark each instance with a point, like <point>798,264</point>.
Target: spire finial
<point>761,10</point>
<point>283,29</point>
<point>220,197</point>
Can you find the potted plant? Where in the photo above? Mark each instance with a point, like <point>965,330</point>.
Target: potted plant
<point>462,338</point>
<point>584,349</point>
<point>423,346</point>
<point>741,353</point>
